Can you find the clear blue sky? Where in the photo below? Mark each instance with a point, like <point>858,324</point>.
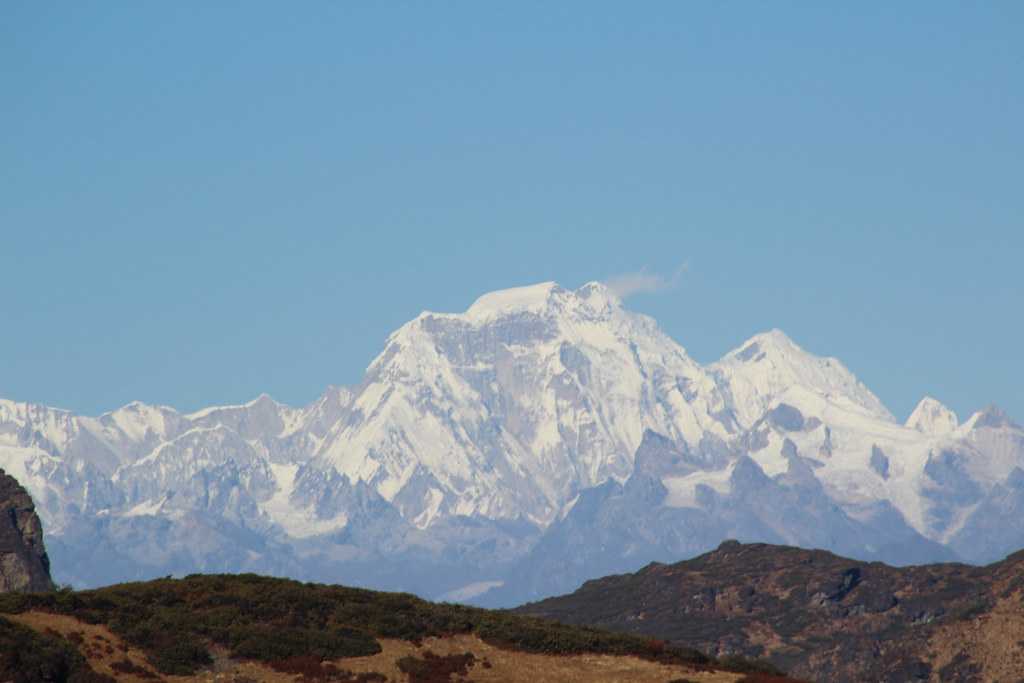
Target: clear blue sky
<point>200,201</point>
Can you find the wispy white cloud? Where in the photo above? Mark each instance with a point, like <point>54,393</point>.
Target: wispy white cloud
<point>643,281</point>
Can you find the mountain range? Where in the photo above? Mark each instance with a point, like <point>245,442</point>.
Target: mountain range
<point>542,437</point>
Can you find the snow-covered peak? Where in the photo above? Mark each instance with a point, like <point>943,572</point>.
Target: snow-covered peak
<point>773,343</point>
<point>504,302</point>
<point>768,366</point>
<point>547,299</point>
<point>261,417</point>
<point>931,417</point>
<point>598,296</point>
<point>556,385</point>
<point>22,413</point>
<point>991,416</point>
<point>137,419</point>
<point>530,316</point>
<point>36,424</point>
<point>263,401</point>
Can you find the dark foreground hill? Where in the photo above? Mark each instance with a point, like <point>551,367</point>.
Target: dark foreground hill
<point>820,616</point>
<point>247,628</point>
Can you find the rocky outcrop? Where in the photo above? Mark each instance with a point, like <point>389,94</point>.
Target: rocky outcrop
<point>819,616</point>
<point>24,565</point>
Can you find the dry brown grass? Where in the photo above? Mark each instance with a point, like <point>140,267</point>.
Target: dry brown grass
<point>104,651</point>
<point>518,667</point>
<point>996,640</point>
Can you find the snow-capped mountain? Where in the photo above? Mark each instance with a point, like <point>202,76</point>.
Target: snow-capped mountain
<point>542,433</point>
<point>931,417</point>
<point>509,409</point>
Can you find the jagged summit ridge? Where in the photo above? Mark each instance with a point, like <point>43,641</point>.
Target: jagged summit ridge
<point>546,297</point>
<point>770,367</point>
<point>931,417</point>
<point>991,416</point>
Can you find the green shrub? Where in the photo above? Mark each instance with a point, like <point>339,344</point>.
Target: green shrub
<point>29,657</point>
<point>265,643</point>
<point>268,619</point>
<point>433,668</point>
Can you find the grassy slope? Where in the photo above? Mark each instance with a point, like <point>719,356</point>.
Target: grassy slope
<point>27,657</point>
<point>268,619</point>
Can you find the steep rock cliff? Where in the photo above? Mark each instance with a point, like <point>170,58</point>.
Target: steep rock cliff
<point>24,565</point>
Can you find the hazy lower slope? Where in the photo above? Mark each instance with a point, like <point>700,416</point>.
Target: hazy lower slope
<point>669,509</point>
<point>818,615</point>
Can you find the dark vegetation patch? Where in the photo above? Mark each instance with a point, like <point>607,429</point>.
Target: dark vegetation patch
<point>30,657</point>
<point>752,667</point>
<point>175,621</point>
<point>127,666</point>
<point>960,669</point>
<point>311,670</point>
<point>434,668</point>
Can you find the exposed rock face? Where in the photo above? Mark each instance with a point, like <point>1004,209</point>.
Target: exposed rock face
<point>818,615</point>
<point>24,565</point>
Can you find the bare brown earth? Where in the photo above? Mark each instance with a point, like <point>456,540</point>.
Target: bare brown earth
<point>518,667</point>
<point>994,640</point>
<point>107,654</point>
<point>820,616</point>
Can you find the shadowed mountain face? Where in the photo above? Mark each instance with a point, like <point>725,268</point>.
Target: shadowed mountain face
<point>818,615</point>
<point>24,565</point>
<point>615,528</point>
